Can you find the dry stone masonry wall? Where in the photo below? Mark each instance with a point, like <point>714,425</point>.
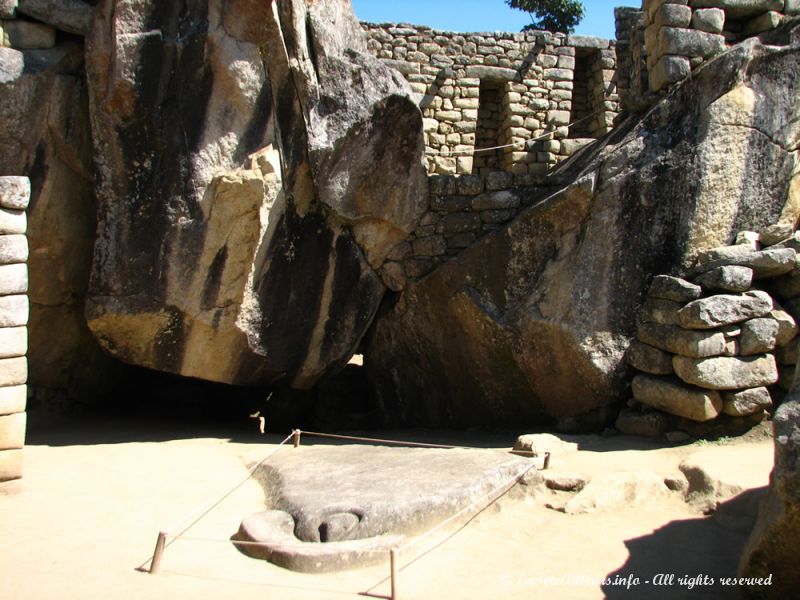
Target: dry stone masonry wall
<point>14,197</point>
<point>541,95</point>
<point>34,24</point>
<point>717,346</point>
<point>680,35</point>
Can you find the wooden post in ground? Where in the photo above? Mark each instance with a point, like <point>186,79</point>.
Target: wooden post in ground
<point>393,567</point>
<point>155,564</point>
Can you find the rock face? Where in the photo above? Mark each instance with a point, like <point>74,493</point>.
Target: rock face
<point>45,134</point>
<point>211,261</point>
<point>532,321</point>
<point>774,545</point>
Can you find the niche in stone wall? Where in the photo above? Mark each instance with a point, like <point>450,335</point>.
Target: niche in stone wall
<point>488,129</point>
<point>587,95</point>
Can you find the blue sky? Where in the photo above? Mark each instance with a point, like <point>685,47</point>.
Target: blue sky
<point>481,15</point>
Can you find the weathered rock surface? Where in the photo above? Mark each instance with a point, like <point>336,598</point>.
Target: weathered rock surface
<point>727,372</point>
<point>45,134</point>
<point>204,266</point>
<point>774,544</point>
<point>615,490</point>
<point>674,289</point>
<point>649,359</point>
<point>532,322</point>
<point>727,279</point>
<point>758,336</point>
<point>329,495</point>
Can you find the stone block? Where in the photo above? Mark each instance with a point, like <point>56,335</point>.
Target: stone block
<point>652,6</point>
<point>738,9</point>
<point>674,288</point>
<point>430,125</point>
<point>766,264</point>
<point>746,402</point>
<point>649,359</point>
<point>12,221</point>
<point>765,22</point>
<point>450,203</point>
<point>10,465</point>
<point>13,279</point>
<point>727,372</point>
<point>758,336</point>
<point>724,309</point>
<point>393,275</point>
<point>433,245</point>
<point>469,185</point>
<point>498,74</point>
<point>13,311</point>
<point>559,74</point>
<point>587,41</point>
<point>27,35</point>
<point>689,42</point>
<point>558,118</point>
<point>13,341</point>
<point>495,200</point>
<point>787,325</point>
<point>727,279</point>
<point>711,20</point>
<point>444,165</point>
<point>496,216</point>
<point>13,399</point>
<point>658,310</point>
<point>460,223</point>
<point>72,16</point>
<point>647,424</point>
<point>499,180</point>
<point>673,15</point>
<point>696,344</point>
<point>12,431</point>
<point>775,234</point>
<point>15,192</point>
<point>673,396</point>
<point>13,249</point>
<point>571,146</point>
<point>7,9</point>
<point>13,371</point>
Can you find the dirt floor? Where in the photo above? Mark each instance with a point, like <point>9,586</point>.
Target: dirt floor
<point>97,491</point>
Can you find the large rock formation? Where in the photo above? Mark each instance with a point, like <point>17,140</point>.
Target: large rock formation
<point>211,261</point>
<point>532,322</point>
<point>45,134</point>
<point>774,545</point>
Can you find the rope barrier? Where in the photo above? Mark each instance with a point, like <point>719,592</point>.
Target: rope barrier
<point>549,134</point>
<point>384,441</point>
<point>162,543</point>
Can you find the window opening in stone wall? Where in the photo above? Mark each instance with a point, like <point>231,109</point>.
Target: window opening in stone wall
<point>588,95</point>
<point>487,133</point>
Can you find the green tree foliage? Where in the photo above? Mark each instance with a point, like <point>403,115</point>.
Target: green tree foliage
<point>551,15</point>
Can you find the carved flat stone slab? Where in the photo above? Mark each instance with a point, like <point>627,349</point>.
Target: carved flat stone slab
<point>340,507</point>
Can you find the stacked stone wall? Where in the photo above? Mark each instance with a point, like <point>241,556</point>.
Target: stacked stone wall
<point>14,197</point>
<point>527,82</point>
<point>717,347</point>
<point>680,35</point>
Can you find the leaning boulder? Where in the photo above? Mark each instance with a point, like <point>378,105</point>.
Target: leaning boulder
<point>532,322</point>
<point>211,260</point>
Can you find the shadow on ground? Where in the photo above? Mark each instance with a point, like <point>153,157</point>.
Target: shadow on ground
<point>688,559</point>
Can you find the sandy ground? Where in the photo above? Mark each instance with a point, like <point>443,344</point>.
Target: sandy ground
<point>96,492</point>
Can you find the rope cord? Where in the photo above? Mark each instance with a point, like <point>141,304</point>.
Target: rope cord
<point>432,152</point>
<point>383,441</point>
<point>217,502</point>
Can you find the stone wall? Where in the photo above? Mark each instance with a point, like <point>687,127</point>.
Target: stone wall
<point>717,347</point>
<point>15,194</point>
<point>540,95</point>
<point>680,35</point>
